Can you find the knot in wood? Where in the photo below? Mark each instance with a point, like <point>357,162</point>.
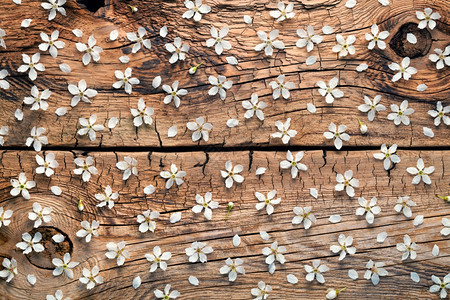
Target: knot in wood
<point>403,48</point>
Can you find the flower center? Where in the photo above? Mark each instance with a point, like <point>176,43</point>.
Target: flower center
<point>400,113</point>
<point>420,173</point>
<point>174,93</point>
<point>267,201</point>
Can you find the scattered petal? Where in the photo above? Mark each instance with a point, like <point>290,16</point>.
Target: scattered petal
<point>334,218</point>
<point>422,87</point>
<point>362,67</point>
<point>313,192</point>
<point>350,3</point>
<point>264,235</point>
<point>136,282</point>
<point>18,114</point>
<point>77,32</point>
<point>311,108</point>
<point>248,19</point>
<point>58,238</point>
<point>175,217</point>
<point>381,237</point>
<point>236,240</point>
<point>25,23</point>
<point>232,60</point>
<point>163,31</point>
<point>327,30</point>
<point>31,279</point>
<point>428,132</point>
<point>61,111</point>
<point>415,277</point>
<point>114,35</point>
<point>291,278</point>
<point>124,59</point>
<point>156,82</point>
<point>352,274</point>
<point>56,190</point>
<point>65,68</point>
<point>418,220</point>
<point>435,250</point>
<point>260,171</point>
<point>112,123</point>
<point>193,280</point>
<point>172,131</point>
<point>411,38</point>
<point>232,123</point>
<point>311,60</point>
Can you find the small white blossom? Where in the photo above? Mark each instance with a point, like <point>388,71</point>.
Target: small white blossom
<point>285,133</point>
<point>88,230</point>
<point>198,252</point>
<point>89,127</point>
<point>368,208</point>
<point>273,254</point>
<point>86,168</point>
<point>420,173</point>
<point>54,6</point>
<point>427,17</point>
<point>303,214</point>
<point>142,114</point>
<point>219,85</point>
<point>439,114</point>
<point>178,50</point>
<point>139,40</point>
<point>124,79</point>
<point>158,257</point>
<point>315,272</point>
<point>281,88</point>
<point>441,58</point>
<point>294,163</point>
<point>333,293</point>
<point>107,198</point>
<point>404,205</point>
<point>31,243</point>
<point>51,43</point>
<point>205,203</point>
<point>267,202</point>
<point>173,176</point>
<point>400,114</point>
<point>38,100</point>
<point>39,214</point>
<point>117,251</point>
<point>36,139</point>
<point>283,12</point>
<point>330,92</point>
<point>129,166</point>
<point>200,129</point>
<point>167,294</point>
<point>254,106</point>
<point>10,269</point>
<point>268,43</point>
<point>91,278</point>
<point>375,270</point>
<point>195,9</point>
<point>4,217</point>
<point>218,39</point>
<point>232,268</point>
<point>21,185</point>
<point>376,38</point>
<point>388,155</point>
<point>262,291</point>
<point>173,93</point>
<point>344,246</point>
<point>31,65</point>
<point>81,93</point>
<point>344,47</point>
<point>46,165</point>
<point>64,266</point>
<point>338,134</point>
<point>348,182</point>
<point>372,106</point>
<point>146,220</point>
<point>3,83</point>
<point>408,248</point>
<point>440,285</point>
<point>232,174</point>
<point>92,51</point>
<point>404,70</point>
<point>308,38</point>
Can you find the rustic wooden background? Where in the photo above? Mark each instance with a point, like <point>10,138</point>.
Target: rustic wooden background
<point>248,144</point>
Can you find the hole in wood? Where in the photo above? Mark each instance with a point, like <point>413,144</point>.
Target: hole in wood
<point>52,249</point>
<point>92,5</point>
<point>403,48</point>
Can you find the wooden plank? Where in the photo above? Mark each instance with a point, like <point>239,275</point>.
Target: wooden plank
<point>253,74</point>
<point>203,176</point>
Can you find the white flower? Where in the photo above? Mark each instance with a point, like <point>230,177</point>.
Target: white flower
<point>117,251</point>
<point>36,139</point>
<point>439,114</point>
<point>173,93</point>
<point>333,293</point>
<point>158,257</point>
<point>129,166</point>
<point>303,214</point>
<point>388,155</point>
<point>427,17</point>
<point>441,57</point>
<point>346,181</point>
<point>218,39</point>
<point>372,106</point>
<point>107,198</point>
<point>32,64</point>
<point>273,254</point>
<point>124,79</point>
<point>142,114</point>
<point>269,43</point>
<point>51,43</point>
<point>3,83</point>
<point>232,268</point>
<point>232,174</point>
<point>146,220</point>
<point>205,203</point>
<point>254,107</point>
<point>376,38</point>
<point>21,185</point>
<point>375,270</point>
<point>445,222</point>
<point>267,202</point>
<point>2,41</point>
<point>38,100</point>
<point>368,208</point>
<point>408,248</point>
<point>10,269</point>
<point>404,70</point>
<point>330,92</point>
<point>29,244</point>
<point>308,38</point>
<point>344,246</point>
<point>90,278</point>
<point>404,205</point>
<point>283,12</point>
<point>88,230</point>
<point>89,127</point>
<point>344,47</point>
<point>281,88</point>
<point>200,129</point>
<point>167,294</point>
<point>420,172</point>
<point>315,272</point>
<point>91,50</point>
<point>440,285</point>
<point>177,49</point>
<point>3,132</point>
<point>173,176</point>
<point>195,10</point>
<point>81,93</point>
<point>4,216</point>
<point>400,114</point>
<point>64,265</point>
<point>219,85</point>
<point>139,40</point>
<point>39,214</point>
<point>338,134</point>
<point>46,166</point>
<point>294,163</point>
<point>198,251</point>
<point>262,291</point>
<point>285,133</point>
<point>86,168</point>
<point>54,6</point>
